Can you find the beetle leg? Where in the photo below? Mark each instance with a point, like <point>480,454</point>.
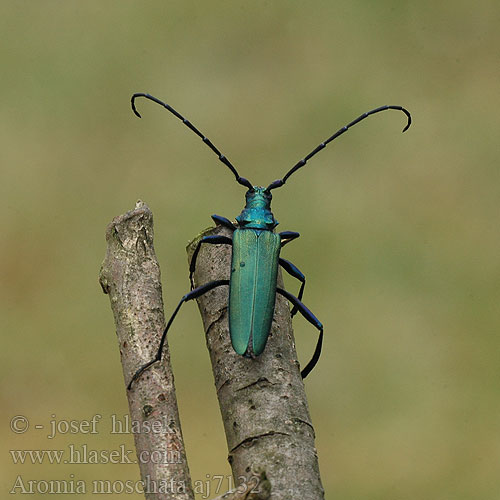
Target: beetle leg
<point>314,321</point>
<point>294,271</point>
<point>214,240</point>
<point>287,236</point>
<point>222,221</point>
<point>193,294</point>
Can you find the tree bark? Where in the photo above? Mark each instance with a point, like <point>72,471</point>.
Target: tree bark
<point>263,405</point>
<point>262,400</point>
<point>130,275</point>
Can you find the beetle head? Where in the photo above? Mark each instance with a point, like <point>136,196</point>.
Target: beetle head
<point>257,212</point>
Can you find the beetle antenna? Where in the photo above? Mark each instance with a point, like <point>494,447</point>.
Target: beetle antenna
<point>208,142</point>
<point>278,183</point>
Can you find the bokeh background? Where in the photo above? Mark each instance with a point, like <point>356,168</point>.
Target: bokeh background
<point>400,237</point>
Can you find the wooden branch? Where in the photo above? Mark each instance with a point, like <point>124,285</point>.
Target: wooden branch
<point>131,276</point>
<point>258,489</point>
<point>268,428</point>
<point>262,401</point>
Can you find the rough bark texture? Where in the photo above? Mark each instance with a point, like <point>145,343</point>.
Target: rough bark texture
<point>262,401</point>
<point>268,428</point>
<point>259,489</point>
<point>131,276</point>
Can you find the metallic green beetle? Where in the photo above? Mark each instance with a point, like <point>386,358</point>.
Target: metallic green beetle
<point>255,258</point>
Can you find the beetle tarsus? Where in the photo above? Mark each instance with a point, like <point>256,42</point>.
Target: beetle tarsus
<point>317,353</point>
<point>140,371</point>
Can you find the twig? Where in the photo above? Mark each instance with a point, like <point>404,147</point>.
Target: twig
<point>262,400</point>
<point>266,418</point>
<point>131,276</point>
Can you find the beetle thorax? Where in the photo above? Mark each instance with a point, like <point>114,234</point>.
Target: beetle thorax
<point>257,212</point>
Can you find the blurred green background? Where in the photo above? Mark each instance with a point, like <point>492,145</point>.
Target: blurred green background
<point>400,239</point>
